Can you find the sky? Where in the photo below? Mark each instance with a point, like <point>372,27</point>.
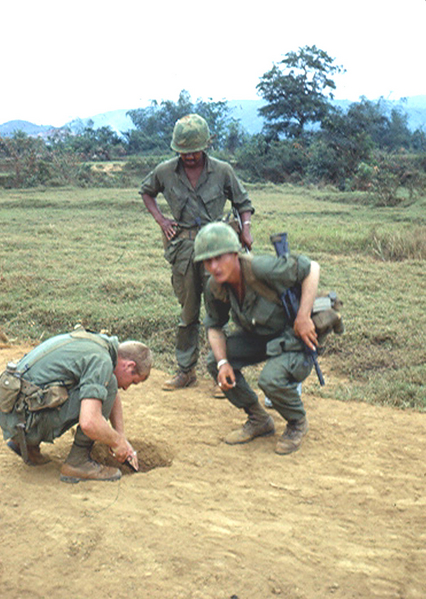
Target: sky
<point>68,60</point>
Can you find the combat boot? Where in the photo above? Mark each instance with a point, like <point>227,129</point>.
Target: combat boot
<point>258,424</point>
<point>291,439</point>
<point>35,457</point>
<point>79,466</point>
<point>181,380</point>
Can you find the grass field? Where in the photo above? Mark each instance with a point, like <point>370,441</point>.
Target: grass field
<point>95,256</point>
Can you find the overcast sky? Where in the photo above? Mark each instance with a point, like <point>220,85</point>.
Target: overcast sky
<point>67,60</point>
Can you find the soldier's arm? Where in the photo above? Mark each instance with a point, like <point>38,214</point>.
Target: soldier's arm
<point>303,324</point>
<point>96,427</point>
<point>226,375</point>
<point>246,236</point>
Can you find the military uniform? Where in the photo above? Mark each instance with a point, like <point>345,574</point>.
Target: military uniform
<point>192,208</point>
<point>85,367</point>
<point>263,334</point>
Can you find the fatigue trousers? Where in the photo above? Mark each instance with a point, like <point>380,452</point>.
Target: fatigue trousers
<point>280,377</point>
<point>188,288</point>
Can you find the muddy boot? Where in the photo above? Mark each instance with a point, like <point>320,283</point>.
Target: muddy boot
<point>258,424</point>
<point>181,380</point>
<point>35,457</point>
<point>292,437</point>
<point>79,467</point>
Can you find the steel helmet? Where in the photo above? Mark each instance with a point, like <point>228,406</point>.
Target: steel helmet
<point>190,134</point>
<point>214,240</point>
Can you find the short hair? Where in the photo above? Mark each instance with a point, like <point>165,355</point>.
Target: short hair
<point>137,352</point>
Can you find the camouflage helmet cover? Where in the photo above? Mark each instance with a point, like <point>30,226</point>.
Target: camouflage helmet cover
<point>190,134</point>
<point>214,240</point>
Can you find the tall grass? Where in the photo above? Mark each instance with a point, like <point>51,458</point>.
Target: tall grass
<point>95,256</point>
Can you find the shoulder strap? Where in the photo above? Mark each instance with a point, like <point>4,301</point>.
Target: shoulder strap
<point>81,333</point>
<point>35,358</point>
<point>78,333</point>
<point>259,286</point>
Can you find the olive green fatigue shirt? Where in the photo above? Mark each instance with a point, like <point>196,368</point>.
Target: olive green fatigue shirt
<point>195,207</point>
<point>264,335</point>
<point>257,314</point>
<point>83,366</point>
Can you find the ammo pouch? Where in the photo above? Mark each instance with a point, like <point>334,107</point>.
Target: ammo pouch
<point>35,398</point>
<point>16,391</point>
<point>326,315</point>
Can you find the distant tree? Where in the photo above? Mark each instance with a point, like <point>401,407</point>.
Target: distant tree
<point>91,144</point>
<point>236,137</point>
<point>418,140</point>
<point>154,124</point>
<point>27,158</point>
<point>387,127</point>
<point>297,91</point>
<point>398,135</point>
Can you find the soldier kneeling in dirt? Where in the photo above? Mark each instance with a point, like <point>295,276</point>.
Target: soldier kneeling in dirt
<point>264,333</point>
<point>72,379</point>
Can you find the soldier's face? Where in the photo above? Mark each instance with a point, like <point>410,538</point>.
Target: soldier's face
<point>126,374</point>
<point>224,268</point>
<point>193,159</point>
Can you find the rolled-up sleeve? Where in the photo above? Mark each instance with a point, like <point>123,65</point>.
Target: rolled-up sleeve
<point>237,193</point>
<point>151,185</point>
<point>96,375</point>
<point>281,273</point>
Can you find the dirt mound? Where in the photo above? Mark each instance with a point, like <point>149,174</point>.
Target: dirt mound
<point>344,517</point>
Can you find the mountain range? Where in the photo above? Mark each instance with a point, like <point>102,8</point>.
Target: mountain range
<point>244,110</point>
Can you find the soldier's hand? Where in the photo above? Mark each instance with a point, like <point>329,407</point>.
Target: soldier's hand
<point>305,329</point>
<point>121,450</point>
<point>226,377</point>
<point>169,227</point>
<point>132,458</point>
<point>246,237</point>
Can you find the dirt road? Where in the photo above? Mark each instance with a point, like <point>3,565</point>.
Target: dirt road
<point>345,517</point>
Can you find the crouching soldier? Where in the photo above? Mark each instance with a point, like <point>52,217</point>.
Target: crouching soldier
<point>263,333</point>
<point>72,379</point>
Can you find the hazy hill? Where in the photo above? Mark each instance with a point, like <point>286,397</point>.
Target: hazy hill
<point>244,110</point>
<point>11,126</point>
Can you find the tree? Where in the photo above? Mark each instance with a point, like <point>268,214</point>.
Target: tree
<point>154,124</point>
<point>26,157</point>
<point>297,91</point>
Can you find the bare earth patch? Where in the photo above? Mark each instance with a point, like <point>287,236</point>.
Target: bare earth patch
<point>343,518</point>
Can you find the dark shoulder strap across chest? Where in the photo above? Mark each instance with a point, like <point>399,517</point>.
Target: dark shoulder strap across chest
<point>260,287</point>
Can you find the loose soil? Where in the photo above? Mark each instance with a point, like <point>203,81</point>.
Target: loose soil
<point>345,517</point>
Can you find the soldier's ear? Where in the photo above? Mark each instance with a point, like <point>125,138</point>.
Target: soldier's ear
<point>129,366</point>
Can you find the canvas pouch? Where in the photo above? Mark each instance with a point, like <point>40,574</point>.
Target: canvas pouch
<point>37,399</point>
<point>10,387</point>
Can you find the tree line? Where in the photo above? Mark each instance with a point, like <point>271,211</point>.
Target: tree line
<point>305,138</point>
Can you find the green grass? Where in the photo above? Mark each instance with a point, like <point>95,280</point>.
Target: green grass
<point>95,256</point>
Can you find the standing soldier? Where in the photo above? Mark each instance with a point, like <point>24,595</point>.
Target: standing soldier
<point>196,187</point>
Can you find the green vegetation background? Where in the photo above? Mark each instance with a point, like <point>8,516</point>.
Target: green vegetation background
<point>94,256</point>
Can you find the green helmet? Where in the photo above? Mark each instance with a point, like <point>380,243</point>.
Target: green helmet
<point>214,240</point>
<point>190,134</point>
